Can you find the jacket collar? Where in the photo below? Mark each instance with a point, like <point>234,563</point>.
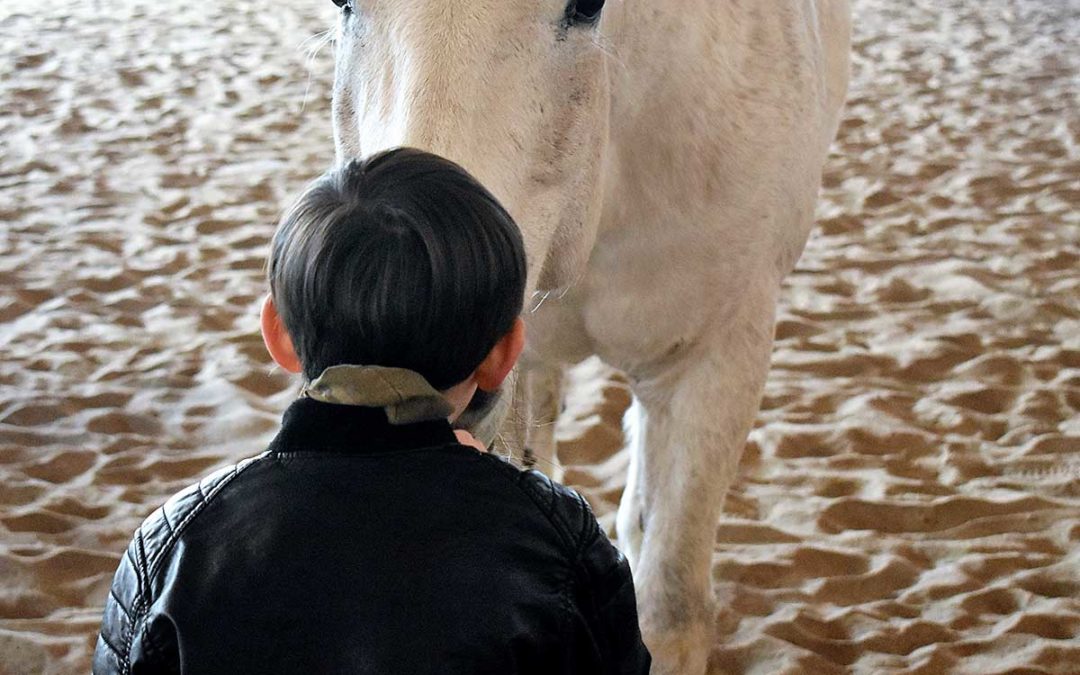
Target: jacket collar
<point>315,426</point>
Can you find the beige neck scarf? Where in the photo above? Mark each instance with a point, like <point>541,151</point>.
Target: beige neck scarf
<point>405,395</point>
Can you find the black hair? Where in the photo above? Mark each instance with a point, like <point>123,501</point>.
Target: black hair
<point>402,259</point>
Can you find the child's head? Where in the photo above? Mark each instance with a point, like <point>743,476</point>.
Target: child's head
<point>400,260</point>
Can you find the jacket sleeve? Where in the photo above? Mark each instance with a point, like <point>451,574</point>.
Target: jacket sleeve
<point>601,635</point>
<point>608,604</point>
<point>128,643</point>
<point>122,613</point>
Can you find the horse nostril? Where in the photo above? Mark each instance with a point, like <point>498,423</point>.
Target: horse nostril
<point>584,11</point>
<point>340,3</point>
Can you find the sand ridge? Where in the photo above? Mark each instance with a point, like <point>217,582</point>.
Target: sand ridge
<point>909,500</point>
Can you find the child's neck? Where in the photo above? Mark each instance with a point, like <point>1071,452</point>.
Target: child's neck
<point>459,396</point>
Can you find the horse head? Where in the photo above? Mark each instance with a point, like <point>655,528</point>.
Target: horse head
<point>515,92</point>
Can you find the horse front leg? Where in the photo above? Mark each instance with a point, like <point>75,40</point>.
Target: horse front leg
<point>556,336</point>
<point>688,428</point>
<point>540,392</point>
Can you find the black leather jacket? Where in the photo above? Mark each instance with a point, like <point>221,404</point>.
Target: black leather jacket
<point>355,546</point>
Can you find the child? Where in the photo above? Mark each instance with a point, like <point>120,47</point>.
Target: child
<point>367,539</point>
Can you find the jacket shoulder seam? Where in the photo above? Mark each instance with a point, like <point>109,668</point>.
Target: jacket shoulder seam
<point>550,512</point>
<point>159,555</point>
<point>139,605</point>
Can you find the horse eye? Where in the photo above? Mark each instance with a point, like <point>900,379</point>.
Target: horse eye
<point>340,3</point>
<point>584,11</point>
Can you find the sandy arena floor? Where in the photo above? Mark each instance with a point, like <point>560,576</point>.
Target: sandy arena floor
<point>910,498</point>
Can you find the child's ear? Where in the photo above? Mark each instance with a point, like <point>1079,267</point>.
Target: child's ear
<point>500,360</point>
<point>276,339</point>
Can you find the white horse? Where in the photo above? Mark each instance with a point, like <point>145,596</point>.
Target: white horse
<point>663,159</point>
